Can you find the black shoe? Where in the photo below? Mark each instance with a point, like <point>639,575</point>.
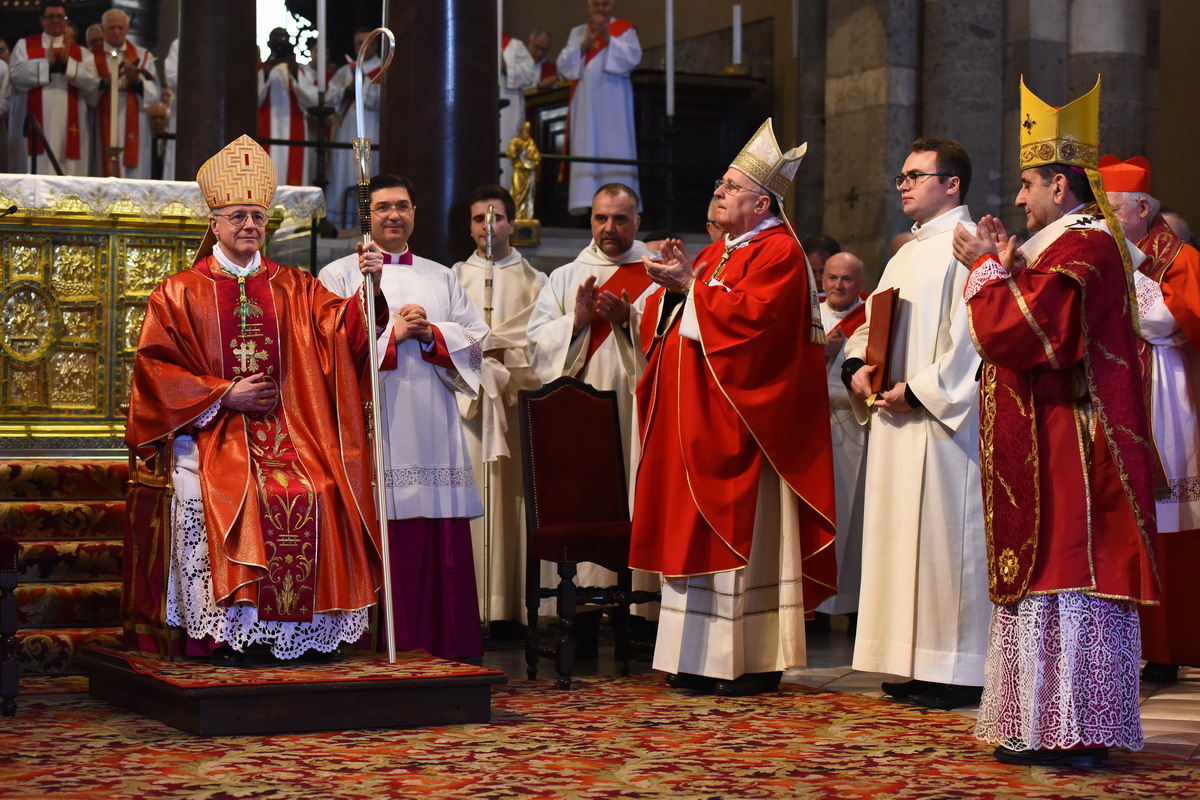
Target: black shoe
<point>749,684</point>
<point>820,623</point>
<point>906,688</point>
<point>947,696</point>
<point>226,656</point>
<point>1084,757</point>
<point>1154,672</point>
<point>695,683</point>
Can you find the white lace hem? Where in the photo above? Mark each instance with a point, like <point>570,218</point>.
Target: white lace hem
<point>1062,672</point>
<point>191,605</point>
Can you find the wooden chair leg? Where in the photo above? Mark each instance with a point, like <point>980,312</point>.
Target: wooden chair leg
<point>619,616</point>
<point>533,600</point>
<point>565,652</point>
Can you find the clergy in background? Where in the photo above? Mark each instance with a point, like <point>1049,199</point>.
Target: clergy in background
<point>286,90</point>
<point>138,88</point>
<point>517,73</point>
<point>598,59</point>
<point>1168,294</point>
<point>585,324</point>
<point>489,418</point>
<point>842,312</point>
<point>340,204</point>
<point>430,351</point>
<point>51,78</point>
<point>734,503</point>
<point>923,612</point>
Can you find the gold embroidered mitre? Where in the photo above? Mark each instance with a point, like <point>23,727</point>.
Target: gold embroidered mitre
<point>765,164</point>
<point>1069,135</point>
<point>242,173</point>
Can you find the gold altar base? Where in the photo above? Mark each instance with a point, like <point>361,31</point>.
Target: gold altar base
<point>78,262</point>
<point>526,232</point>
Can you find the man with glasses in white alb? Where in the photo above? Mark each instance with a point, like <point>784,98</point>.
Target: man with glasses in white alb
<point>923,607</point>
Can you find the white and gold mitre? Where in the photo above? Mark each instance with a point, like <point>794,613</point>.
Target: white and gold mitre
<point>242,173</point>
<point>1069,135</point>
<point>763,162</point>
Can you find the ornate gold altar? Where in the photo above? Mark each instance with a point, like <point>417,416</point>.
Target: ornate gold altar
<point>79,258</point>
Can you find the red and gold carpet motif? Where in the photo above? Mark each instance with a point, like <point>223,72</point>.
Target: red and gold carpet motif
<point>609,738</point>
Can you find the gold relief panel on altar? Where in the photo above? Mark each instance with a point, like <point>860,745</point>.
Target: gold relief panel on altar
<point>74,380</point>
<point>23,388</point>
<point>144,263</point>
<point>29,321</point>
<point>24,260</point>
<point>131,325</point>
<point>77,271</point>
<point>82,324</point>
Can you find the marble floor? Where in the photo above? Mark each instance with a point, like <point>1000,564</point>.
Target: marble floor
<point>1170,712</point>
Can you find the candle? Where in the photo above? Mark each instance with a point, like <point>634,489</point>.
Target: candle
<point>737,33</point>
<point>670,58</point>
<point>320,45</point>
<point>114,74</point>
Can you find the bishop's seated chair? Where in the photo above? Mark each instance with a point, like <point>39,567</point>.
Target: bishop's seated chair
<point>576,509</point>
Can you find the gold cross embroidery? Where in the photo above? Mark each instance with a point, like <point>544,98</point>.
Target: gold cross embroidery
<point>248,356</point>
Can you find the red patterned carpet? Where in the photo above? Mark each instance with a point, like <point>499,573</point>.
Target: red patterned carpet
<point>610,738</point>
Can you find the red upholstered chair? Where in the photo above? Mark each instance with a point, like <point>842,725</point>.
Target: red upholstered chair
<point>576,509</point>
<point>10,551</point>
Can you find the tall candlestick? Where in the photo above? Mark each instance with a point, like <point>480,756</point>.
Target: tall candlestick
<point>114,77</point>
<point>737,33</point>
<point>321,45</point>
<point>670,58</point>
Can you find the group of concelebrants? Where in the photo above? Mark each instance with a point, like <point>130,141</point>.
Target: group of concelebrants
<point>983,576</point>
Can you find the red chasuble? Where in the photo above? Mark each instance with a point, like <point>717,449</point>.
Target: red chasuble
<point>1068,500</point>
<point>294,481</point>
<point>1176,266</point>
<point>713,411</point>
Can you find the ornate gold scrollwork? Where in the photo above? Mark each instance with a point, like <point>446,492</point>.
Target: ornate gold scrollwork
<point>28,320</point>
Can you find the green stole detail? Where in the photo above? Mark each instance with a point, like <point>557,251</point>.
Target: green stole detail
<point>284,497</point>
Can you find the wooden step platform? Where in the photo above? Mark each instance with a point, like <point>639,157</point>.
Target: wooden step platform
<point>359,692</point>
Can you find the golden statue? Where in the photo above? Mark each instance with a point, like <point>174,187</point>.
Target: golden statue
<point>527,170</point>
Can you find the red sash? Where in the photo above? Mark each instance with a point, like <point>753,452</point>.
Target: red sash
<point>283,493</point>
<point>35,50</point>
<point>295,165</point>
<point>616,27</point>
<point>631,278</point>
<point>132,142</point>
<point>849,323</point>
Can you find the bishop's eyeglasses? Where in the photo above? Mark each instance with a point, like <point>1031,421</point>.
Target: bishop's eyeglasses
<point>238,219</point>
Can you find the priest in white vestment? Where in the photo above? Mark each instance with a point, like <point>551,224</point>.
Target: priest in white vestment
<point>598,59</point>
<point>138,87</point>
<point>340,207</point>
<point>924,608</point>
<point>490,417</point>
<point>286,90</point>
<point>517,73</point>
<point>431,351</point>
<point>50,80</point>
<point>585,324</point>
<point>842,311</point>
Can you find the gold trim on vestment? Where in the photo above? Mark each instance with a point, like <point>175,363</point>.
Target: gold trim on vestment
<point>1033,323</point>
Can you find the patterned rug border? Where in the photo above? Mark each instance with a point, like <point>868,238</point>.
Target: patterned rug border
<point>410,665</point>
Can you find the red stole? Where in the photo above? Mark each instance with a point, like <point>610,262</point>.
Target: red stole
<point>849,323</point>
<point>631,278</point>
<point>34,49</point>
<point>286,502</point>
<point>350,97</point>
<point>616,27</point>
<point>295,162</point>
<point>132,143</point>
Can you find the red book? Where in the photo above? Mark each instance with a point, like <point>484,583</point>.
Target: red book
<point>885,305</point>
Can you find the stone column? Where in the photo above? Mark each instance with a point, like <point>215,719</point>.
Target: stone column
<point>808,209</point>
<point>963,73</point>
<point>1036,47</point>
<point>218,97</point>
<point>438,122</point>
<point>870,121</point>
<point>1108,37</point>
